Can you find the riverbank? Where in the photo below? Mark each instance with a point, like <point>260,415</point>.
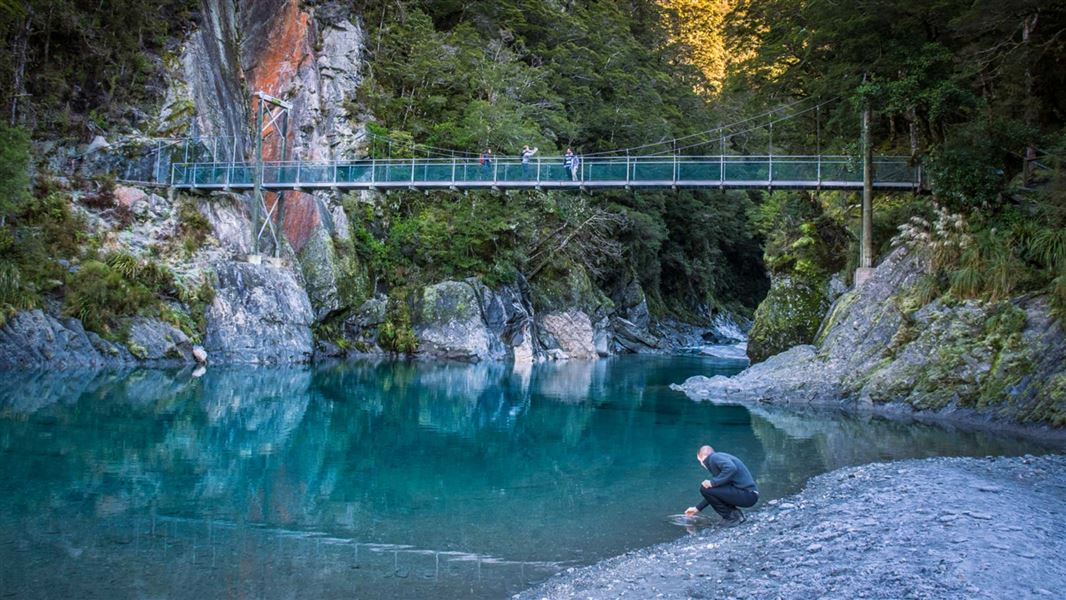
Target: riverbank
<point>933,528</point>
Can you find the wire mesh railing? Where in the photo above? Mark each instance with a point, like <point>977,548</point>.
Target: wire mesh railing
<point>655,171</point>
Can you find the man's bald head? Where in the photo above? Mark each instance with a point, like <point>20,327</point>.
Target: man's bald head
<point>704,452</point>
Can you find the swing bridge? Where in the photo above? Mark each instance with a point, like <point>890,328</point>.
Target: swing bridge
<point>216,164</point>
<point>675,171</point>
<point>220,164</point>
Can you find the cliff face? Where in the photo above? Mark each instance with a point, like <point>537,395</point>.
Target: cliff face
<point>993,361</point>
<point>312,56</point>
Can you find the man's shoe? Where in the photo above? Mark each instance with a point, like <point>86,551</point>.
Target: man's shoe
<point>735,518</point>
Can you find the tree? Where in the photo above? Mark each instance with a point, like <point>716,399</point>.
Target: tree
<point>14,170</point>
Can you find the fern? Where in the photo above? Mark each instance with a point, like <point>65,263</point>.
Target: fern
<point>1049,246</point>
<point>124,263</point>
<point>14,292</point>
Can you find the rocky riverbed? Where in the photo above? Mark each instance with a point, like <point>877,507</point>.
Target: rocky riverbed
<point>934,528</point>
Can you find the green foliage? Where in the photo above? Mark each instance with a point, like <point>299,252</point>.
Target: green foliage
<point>99,294</point>
<point>991,258</point>
<point>196,298</point>
<point>801,237</point>
<point>973,167</point>
<point>37,235</point>
<point>192,225</point>
<point>397,334</point>
<point>14,170</point>
<point>107,288</point>
<point>82,64</point>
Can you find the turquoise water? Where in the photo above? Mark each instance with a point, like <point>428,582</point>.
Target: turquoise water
<point>388,480</point>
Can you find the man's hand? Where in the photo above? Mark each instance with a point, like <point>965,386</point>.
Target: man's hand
<point>706,483</point>
<point>691,511</point>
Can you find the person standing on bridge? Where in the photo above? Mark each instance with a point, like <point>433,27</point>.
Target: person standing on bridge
<point>486,164</point>
<point>526,155</point>
<point>570,162</point>
<point>730,487</point>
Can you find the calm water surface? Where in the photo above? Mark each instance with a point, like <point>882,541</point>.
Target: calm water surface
<point>389,480</point>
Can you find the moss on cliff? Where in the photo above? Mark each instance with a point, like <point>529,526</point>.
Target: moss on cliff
<point>790,315</point>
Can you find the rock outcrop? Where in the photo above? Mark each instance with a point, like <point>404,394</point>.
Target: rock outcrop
<point>789,315</point>
<point>449,324</point>
<point>1002,361</point>
<point>36,339</point>
<point>154,340</point>
<point>571,333</point>
<point>260,314</point>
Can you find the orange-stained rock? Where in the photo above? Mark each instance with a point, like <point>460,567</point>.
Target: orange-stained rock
<point>301,218</point>
<point>283,59</point>
<point>126,196</point>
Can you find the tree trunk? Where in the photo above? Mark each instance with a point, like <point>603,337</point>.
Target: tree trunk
<point>18,80</point>
<point>1028,25</point>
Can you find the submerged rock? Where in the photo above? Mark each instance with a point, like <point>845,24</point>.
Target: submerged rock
<point>260,315</point>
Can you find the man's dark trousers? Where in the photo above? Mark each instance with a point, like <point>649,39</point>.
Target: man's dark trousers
<point>724,499</point>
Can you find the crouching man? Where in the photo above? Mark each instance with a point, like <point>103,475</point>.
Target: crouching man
<point>730,487</point>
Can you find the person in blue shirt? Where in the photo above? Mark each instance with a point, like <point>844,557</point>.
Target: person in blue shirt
<point>730,487</point>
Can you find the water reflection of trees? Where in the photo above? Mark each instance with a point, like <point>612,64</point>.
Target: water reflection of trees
<point>381,450</point>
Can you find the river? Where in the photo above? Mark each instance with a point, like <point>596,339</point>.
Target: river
<point>381,480</point>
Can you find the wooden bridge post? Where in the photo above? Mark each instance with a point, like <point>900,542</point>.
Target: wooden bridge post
<point>866,257</point>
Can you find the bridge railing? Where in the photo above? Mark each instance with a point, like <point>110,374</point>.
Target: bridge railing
<point>614,171</point>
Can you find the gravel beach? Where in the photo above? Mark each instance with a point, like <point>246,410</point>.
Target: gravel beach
<point>933,528</point>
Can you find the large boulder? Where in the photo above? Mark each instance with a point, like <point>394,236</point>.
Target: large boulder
<point>319,262</point>
<point>788,316</point>
<point>154,340</point>
<point>570,332</point>
<point>449,324</point>
<point>260,315</point>
<point>34,339</point>
<point>362,326</point>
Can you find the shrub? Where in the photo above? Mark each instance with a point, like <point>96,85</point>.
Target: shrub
<point>397,335</point>
<point>193,226</point>
<point>99,295</point>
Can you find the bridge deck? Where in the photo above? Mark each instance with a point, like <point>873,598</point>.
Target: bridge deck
<point>733,172</point>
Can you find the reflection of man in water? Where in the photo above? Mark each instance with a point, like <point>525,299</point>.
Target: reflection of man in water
<point>730,486</point>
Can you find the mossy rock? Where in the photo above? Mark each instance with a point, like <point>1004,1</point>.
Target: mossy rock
<point>561,288</point>
<point>789,316</point>
<point>138,351</point>
<point>446,302</point>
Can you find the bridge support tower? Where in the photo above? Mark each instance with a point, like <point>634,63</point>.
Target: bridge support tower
<point>271,118</point>
<point>866,256</point>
